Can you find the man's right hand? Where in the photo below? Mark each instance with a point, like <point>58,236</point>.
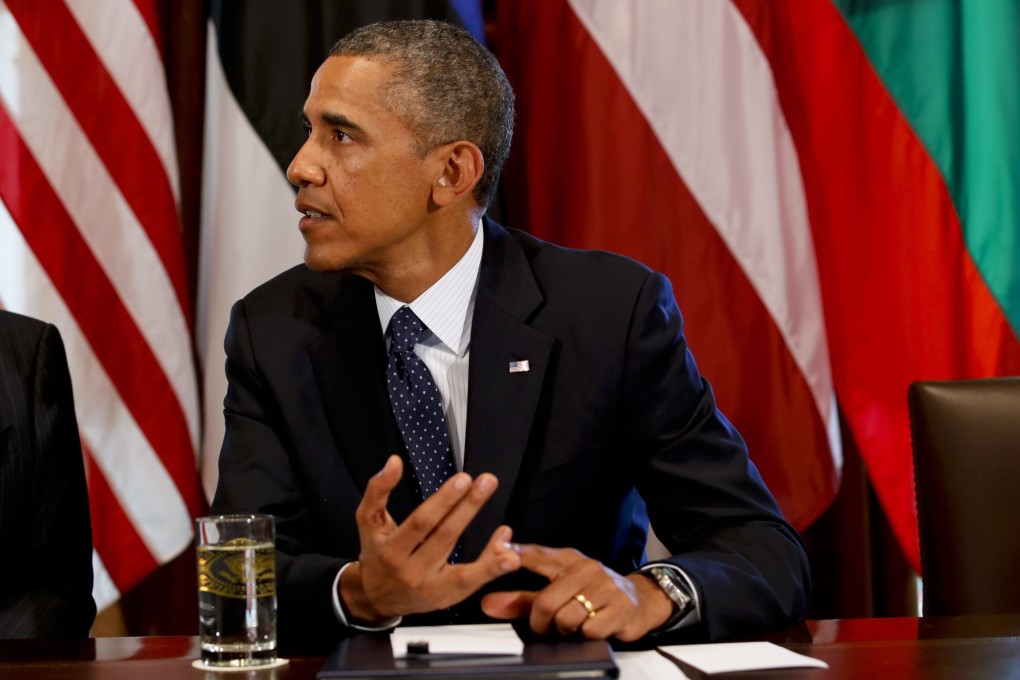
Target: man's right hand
<point>403,569</point>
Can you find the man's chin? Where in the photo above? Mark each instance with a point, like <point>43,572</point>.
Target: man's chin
<point>316,266</point>
<point>318,262</point>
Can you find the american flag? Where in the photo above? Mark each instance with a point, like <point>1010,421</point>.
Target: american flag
<point>90,240</point>
<point>520,366</point>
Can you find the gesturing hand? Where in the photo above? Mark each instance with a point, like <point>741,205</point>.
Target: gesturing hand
<point>403,569</point>
<point>583,595</point>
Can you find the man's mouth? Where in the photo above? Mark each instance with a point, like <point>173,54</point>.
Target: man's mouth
<point>312,213</point>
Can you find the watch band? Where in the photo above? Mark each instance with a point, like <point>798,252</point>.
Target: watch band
<point>673,585</point>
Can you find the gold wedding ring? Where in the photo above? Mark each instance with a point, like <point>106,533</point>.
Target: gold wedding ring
<point>586,603</point>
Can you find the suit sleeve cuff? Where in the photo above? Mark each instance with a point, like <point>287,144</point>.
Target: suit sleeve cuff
<point>341,614</point>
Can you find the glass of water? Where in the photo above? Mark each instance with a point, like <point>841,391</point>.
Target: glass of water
<point>236,590</point>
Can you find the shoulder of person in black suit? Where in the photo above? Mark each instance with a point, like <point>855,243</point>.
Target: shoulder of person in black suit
<point>45,529</point>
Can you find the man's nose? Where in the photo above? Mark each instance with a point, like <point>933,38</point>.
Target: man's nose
<point>304,169</point>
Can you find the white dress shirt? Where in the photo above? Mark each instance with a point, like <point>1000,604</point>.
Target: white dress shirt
<point>445,309</point>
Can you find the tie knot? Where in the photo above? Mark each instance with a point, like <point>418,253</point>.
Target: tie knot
<point>405,330</point>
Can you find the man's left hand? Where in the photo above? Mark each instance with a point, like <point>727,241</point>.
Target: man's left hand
<point>624,607</point>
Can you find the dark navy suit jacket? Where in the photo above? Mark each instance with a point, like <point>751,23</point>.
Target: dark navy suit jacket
<point>611,425</point>
<point>45,532</point>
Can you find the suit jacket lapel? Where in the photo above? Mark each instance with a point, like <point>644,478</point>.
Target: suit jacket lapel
<point>349,362</point>
<point>501,403</point>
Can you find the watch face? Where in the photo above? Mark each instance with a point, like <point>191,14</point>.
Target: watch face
<point>672,585</point>
<point>675,589</point>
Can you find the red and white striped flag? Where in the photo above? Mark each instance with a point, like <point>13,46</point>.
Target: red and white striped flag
<point>654,129</point>
<point>90,240</point>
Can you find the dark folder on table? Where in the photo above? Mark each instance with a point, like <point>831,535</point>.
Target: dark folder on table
<point>371,656</point>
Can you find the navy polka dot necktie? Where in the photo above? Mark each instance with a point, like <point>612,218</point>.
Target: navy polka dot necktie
<point>416,404</point>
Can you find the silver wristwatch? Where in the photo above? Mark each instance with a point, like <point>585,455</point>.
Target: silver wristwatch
<point>673,585</point>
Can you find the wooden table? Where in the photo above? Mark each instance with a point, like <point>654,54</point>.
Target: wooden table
<point>932,648</point>
<point>985,647</point>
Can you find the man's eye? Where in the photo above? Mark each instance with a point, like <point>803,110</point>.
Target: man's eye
<point>340,135</point>
<point>308,130</point>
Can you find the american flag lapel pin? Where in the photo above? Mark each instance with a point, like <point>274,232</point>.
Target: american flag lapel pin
<point>520,366</point>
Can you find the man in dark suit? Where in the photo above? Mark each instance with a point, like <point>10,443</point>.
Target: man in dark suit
<point>575,411</point>
<point>45,533</point>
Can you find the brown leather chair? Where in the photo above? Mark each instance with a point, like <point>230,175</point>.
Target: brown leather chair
<point>966,439</point>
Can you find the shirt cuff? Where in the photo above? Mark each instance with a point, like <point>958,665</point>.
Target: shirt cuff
<point>341,615</point>
<point>694,615</point>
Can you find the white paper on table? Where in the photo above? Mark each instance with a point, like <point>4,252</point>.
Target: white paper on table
<point>483,639</point>
<point>727,657</point>
<point>647,666</point>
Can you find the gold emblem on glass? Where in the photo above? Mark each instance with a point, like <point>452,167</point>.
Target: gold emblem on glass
<point>223,568</point>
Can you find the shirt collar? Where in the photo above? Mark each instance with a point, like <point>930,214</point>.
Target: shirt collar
<point>447,306</point>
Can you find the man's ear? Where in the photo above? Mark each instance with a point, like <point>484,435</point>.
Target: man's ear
<point>461,169</point>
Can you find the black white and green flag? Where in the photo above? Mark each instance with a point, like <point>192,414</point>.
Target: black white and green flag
<point>260,59</point>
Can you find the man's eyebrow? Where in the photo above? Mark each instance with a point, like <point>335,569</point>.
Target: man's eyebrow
<point>335,120</point>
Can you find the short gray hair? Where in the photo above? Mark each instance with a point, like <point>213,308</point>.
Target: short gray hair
<point>447,87</point>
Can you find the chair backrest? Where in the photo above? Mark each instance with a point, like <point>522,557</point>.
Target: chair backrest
<point>966,440</point>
